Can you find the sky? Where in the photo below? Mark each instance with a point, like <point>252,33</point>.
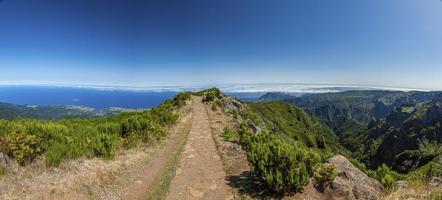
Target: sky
<point>394,43</point>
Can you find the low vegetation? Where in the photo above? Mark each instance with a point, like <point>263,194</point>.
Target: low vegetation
<point>324,174</point>
<point>26,139</point>
<point>293,124</point>
<point>280,166</point>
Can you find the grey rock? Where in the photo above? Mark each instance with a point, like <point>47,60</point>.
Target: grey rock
<point>4,160</point>
<point>435,182</point>
<point>402,184</point>
<point>252,126</point>
<point>352,183</point>
<point>231,104</point>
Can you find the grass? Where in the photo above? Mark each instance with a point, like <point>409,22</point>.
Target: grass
<point>2,170</point>
<point>161,184</point>
<point>229,135</point>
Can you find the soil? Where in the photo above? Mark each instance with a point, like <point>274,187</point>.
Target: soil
<point>200,174</point>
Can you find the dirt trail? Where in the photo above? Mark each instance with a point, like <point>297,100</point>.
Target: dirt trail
<point>149,173</point>
<point>200,173</point>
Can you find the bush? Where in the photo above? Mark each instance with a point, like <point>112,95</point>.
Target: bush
<point>55,154</point>
<point>279,165</point>
<point>227,134</point>
<point>325,173</point>
<point>386,176</point>
<point>181,98</point>
<point>426,172</point>
<point>388,181</point>
<point>211,95</point>
<point>24,147</point>
<point>216,104</point>
<point>359,165</point>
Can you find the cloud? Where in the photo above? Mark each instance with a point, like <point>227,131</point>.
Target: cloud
<point>242,88</point>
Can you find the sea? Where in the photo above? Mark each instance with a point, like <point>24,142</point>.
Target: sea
<point>82,96</point>
<point>101,97</point>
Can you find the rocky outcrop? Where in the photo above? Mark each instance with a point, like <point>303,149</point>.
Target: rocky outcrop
<point>231,104</point>
<point>402,185</point>
<point>435,182</point>
<point>4,160</point>
<point>352,183</point>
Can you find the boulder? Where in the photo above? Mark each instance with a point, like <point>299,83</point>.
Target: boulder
<point>232,104</point>
<point>435,182</point>
<point>352,183</point>
<point>402,185</point>
<point>4,160</point>
<point>252,126</point>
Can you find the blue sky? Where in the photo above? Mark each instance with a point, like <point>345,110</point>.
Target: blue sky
<point>395,43</point>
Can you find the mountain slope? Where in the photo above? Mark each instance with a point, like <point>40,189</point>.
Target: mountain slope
<point>350,114</point>
<point>360,106</point>
<point>293,124</point>
<point>408,138</point>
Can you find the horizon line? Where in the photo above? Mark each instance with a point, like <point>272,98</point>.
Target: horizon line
<point>178,88</point>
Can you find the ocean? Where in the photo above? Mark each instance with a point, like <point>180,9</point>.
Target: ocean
<point>94,98</point>
<point>101,97</point>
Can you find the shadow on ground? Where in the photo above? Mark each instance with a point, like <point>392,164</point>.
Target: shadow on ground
<point>247,184</point>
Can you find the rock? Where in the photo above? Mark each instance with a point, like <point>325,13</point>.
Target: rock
<point>435,182</point>
<point>352,183</point>
<point>138,182</point>
<point>195,193</point>
<point>4,160</point>
<point>231,104</point>
<point>252,126</point>
<point>402,184</point>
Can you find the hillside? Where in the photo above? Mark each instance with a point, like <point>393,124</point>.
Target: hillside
<point>360,106</point>
<point>350,113</point>
<point>293,124</point>
<point>12,111</point>
<point>409,137</point>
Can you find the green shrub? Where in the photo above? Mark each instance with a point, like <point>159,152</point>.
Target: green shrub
<point>104,145</point>
<point>24,147</point>
<point>216,104</point>
<point>131,141</point>
<point>55,154</point>
<point>426,172</point>
<point>386,176</point>
<point>359,165</point>
<point>181,98</point>
<point>227,134</point>
<point>280,166</point>
<point>211,95</point>
<point>388,181</point>
<point>325,173</point>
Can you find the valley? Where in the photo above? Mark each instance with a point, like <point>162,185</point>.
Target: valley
<point>214,146</point>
